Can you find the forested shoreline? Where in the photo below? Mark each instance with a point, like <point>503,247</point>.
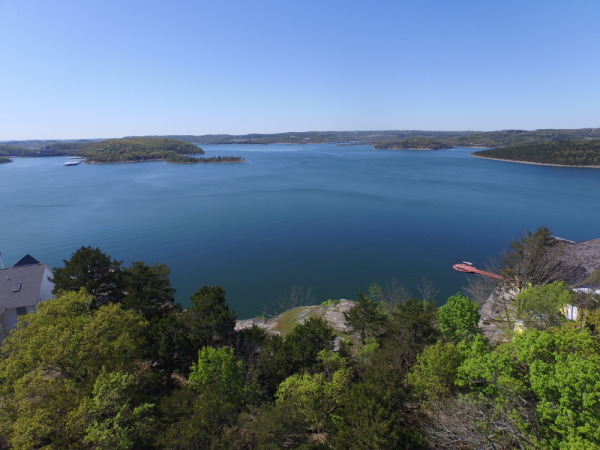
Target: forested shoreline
<point>134,149</point>
<point>563,153</point>
<point>113,362</point>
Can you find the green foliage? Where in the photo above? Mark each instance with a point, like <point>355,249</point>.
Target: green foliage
<point>369,348</point>
<point>565,153</point>
<point>329,302</point>
<point>551,378</point>
<point>92,269</point>
<point>277,425</point>
<point>118,422</point>
<point>365,317</point>
<point>371,417</point>
<point>137,149</point>
<point>279,358</point>
<point>9,150</point>
<point>210,320</point>
<point>218,371</point>
<point>4,160</point>
<point>317,396</point>
<point>539,307</point>
<point>458,318</point>
<point>533,260</point>
<point>191,421</point>
<point>432,378</point>
<point>49,366</point>
<point>409,329</point>
<point>216,393</point>
<point>147,289</point>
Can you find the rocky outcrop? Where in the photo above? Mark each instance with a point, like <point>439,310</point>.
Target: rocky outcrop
<point>332,313</point>
<point>584,256</point>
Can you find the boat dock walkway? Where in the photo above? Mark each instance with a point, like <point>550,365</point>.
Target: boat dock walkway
<point>468,267</point>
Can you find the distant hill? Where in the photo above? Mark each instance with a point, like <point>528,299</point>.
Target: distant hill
<point>565,153</point>
<point>490,139</point>
<point>384,140</point>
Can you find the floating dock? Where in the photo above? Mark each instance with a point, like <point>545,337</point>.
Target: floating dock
<point>470,268</point>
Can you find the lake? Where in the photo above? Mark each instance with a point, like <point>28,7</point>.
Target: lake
<point>333,218</point>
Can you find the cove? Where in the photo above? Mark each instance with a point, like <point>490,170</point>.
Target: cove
<point>335,218</point>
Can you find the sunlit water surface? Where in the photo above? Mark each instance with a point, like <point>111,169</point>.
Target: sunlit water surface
<point>334,218</point>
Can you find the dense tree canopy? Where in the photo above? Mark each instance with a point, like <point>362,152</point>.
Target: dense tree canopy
<point>50,365</point>
<point>92,269</point>
<point>458,318</point>
<point>564,152</point>
<point>131,369</point>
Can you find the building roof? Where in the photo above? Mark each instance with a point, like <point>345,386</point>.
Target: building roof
<point>20,285</point>
<point>26,261</point>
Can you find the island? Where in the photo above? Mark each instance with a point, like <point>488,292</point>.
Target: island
<point>137,149</point>
<point>571,153</point>
<point>4,160</point>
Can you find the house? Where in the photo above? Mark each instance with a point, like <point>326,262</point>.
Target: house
<point>22,287</point>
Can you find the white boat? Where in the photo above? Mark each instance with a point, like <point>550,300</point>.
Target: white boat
<point>73,163</point>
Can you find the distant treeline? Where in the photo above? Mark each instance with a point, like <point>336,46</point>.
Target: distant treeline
<point>386,139</point>
<point>490,139</point>
<point>566,153</point>
<point>145,148</point>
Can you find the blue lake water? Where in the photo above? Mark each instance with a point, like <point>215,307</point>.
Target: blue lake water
<point>334,218</point>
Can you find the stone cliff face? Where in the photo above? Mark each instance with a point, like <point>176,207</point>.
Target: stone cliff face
<point>584,256</point>
<point>581,258</point>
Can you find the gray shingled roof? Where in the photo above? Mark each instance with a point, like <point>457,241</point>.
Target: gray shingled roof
<point>29,277</point>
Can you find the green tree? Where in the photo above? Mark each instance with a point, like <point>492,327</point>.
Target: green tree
<point>409,329</point>
<point>534,259</point>
<point>548,383</point>
<point>539,307</point>
<point>92,269</point>
<point>458,318</point>
<point>49,365</point>
<point>316,396</point>
<point>371,417</point>
<point>365,317</point>
<point>432,378</point>
<point>119,423</point>
<point>279,358</point>
<point>218,370</point>
<point>215,395</point>
<point>210,320</point>
<point>147,289</point>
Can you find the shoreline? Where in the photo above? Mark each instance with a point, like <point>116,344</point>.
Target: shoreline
<point>534,163</point>
<point>165,160</point>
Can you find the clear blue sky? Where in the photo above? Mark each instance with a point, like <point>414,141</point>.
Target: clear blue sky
<point>111,68</point>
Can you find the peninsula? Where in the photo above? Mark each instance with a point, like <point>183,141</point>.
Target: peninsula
<point>571,153</point>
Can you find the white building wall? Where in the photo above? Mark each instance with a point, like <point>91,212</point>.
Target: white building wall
<point>46,286</point>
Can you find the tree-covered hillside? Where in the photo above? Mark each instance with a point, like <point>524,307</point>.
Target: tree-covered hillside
<point>565,153</point>
<point>112,362</point>
<point>491,139</point>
